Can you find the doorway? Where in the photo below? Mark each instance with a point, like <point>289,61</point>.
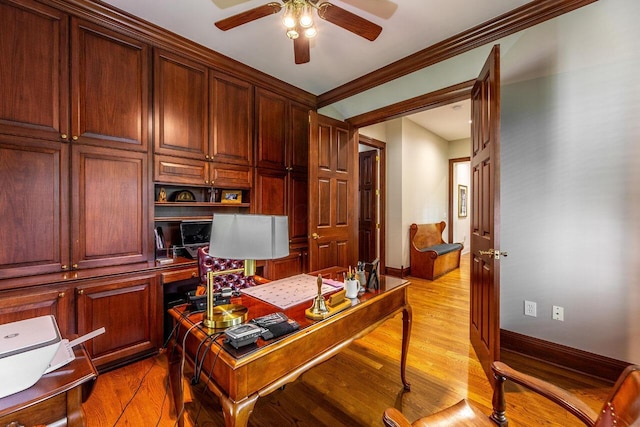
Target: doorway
<point>371,198</point>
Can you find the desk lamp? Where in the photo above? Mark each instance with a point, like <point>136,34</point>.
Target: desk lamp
<point>247,237</point>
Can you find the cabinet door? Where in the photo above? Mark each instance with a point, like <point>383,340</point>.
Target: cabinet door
<point>110,207</point>
<point>271,191</point>
<point>287,266</point>
<point>33,70</point>
<point>299,139</point>
<point>37,301</point>
<point>128,309</point>
<point>180,96</point>
<point>298,206</point>
<point>168,169</point>
<point>271,125</point>
<point>231,139</point>
<point>109,88</point>
<point>33,206</point>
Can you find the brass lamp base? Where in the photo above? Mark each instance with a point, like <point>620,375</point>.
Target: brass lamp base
<point>225,316</point>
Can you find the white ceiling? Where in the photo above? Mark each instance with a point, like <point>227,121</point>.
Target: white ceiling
<point>337,56</point>
<point>450,122</point>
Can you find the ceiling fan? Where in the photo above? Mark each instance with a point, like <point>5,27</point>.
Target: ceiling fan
<point>298,19</point>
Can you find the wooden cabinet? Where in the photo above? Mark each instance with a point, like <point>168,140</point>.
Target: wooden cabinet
<point>110,78</point>
<point>231,115</point>
<point>129,308</point>
<point>180,106</point>
<point>34,71</point>
<point>34,206</point>
<point>281,184</point>
<point>56,300</point>
<point>110,202</point>
<point>294,263</point>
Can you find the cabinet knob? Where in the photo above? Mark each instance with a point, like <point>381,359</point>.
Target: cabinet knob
<point>80,291</point>
<point>64,267</point>
<point>61,295</point>
<point>74,137</point>
<point>194,274</point>
<point>75,266</point>
<point>206,157</point>
<point>64,136</point>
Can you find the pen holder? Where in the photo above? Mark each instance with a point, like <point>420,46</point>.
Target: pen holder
<point>362,278</point>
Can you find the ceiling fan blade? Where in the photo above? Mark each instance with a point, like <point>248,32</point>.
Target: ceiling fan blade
<point>301,50</point>
<point>349,21</point>
<point>248,16</point>
<point>380,8</point>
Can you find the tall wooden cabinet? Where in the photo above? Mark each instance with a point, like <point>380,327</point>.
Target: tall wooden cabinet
<point>281,173</point>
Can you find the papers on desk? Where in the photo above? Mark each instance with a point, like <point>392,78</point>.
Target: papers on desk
<point>294,290</point>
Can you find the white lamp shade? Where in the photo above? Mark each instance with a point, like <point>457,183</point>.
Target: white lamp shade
<point>254,237</point>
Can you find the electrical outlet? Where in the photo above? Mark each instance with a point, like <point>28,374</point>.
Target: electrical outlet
<point>558,313</point>
<point>530,308</point>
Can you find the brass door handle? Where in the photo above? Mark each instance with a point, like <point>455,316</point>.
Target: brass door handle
<point>315,236</point>
<point>494,253</point>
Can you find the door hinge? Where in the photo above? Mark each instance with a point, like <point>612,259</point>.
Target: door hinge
<point>377,158</point>
<point>377,192</point>
<point>377,226</point>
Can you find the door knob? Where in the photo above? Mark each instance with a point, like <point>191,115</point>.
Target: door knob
<point>494,253</point>
<point>315,236</point>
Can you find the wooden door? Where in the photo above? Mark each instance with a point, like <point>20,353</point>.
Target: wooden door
<point>485,214</point>
<point>367,208</point>
<point>109,88</point>
<point>180,106</point>
<point>34,70</point>
<point>333,198</point>
<point>34,206</point>
<point>109,207</point>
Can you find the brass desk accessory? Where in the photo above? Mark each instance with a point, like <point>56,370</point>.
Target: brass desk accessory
<point>321,309</point>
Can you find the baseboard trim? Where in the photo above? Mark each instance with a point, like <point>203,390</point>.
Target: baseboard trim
<point>556,354</point>
<point>397,272</point>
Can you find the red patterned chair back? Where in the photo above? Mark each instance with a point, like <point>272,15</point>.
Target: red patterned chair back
<point>208,263</point>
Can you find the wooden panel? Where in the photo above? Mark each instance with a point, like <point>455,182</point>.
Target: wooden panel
<point>181,103</point>
<point>179,171</point>
<point>299,138</point>
<point>342,203</point>
<point>38,301</point>
<point>271,126</point>
<point>270,192</point>
<point>298,207</point>
<point>223,175</point>
<point>343,160</point>
<point>231,139</point>
<point>324,147</point>
<point>127,308</point>
<point>110,198</point>
<point>34,70</point>
<point>110,87</point>
<point>33,206</point>
<point>323,214</point>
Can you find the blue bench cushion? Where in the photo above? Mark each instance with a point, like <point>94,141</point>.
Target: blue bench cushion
<point>443,248</point>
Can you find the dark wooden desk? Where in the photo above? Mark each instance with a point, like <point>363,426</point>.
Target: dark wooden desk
<point>56,397</point>
<point>240,377</point>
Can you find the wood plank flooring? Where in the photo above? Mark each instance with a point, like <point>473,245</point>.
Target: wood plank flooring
<point>354,387</point>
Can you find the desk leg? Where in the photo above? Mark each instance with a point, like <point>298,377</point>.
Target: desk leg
<point>406,335</point>
<point>236,414</point>
<point>175,382</point>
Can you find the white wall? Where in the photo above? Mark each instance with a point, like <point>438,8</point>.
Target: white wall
<point>569,187</point>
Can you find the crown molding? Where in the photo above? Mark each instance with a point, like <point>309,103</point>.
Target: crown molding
<point>504,25</point>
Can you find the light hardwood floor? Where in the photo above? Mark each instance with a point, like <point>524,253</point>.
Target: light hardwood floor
<point>354,387</point>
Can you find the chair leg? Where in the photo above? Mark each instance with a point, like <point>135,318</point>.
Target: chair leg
<point>499,405</point>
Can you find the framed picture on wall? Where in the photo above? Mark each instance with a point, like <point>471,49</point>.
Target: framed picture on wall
<point>462,201</point>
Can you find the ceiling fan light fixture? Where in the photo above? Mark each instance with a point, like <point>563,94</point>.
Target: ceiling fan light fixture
<point>306,19</point>
<point>289,18</point>
<point>292,34</point>
<point>311,32</point>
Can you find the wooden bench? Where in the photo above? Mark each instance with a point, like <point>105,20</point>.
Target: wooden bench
<point>430,256</point>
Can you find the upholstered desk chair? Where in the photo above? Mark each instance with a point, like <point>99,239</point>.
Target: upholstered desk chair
<point>621,409</point>
<point>208,263</point>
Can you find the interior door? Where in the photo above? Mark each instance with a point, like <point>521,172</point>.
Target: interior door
<point>367,218</point>
<point>333,202</point>
<point>485,213</point>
